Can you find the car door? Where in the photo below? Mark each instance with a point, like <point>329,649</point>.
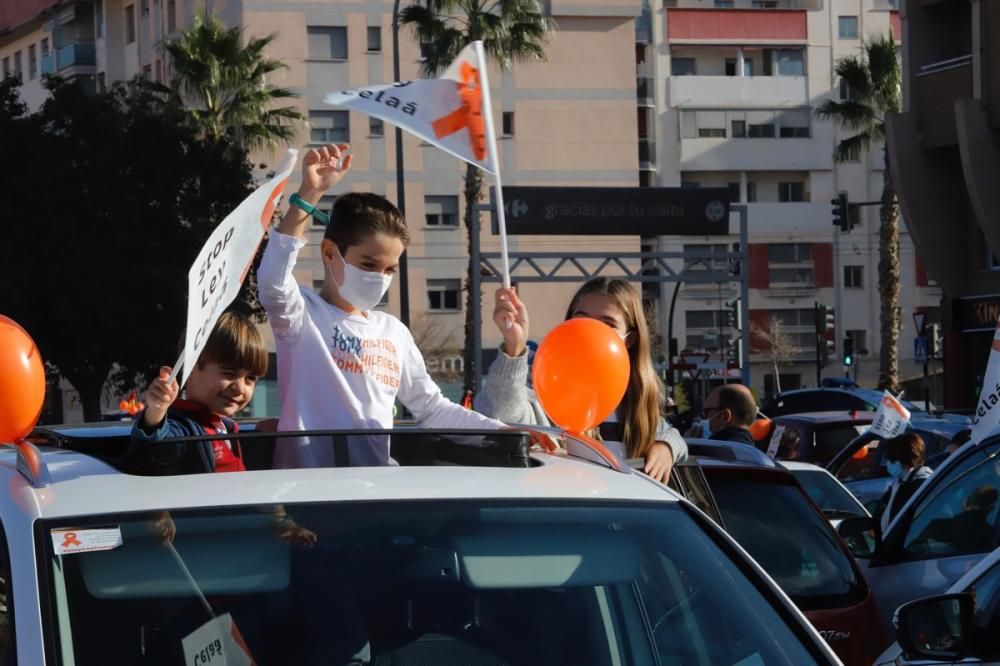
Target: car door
<point>948,527</point>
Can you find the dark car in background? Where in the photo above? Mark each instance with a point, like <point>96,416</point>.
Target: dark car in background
<point>846,399</point>
<point>766,510</point>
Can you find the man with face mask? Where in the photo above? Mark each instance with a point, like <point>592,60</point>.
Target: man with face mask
<point>730,410</point>
<point>904,456</point>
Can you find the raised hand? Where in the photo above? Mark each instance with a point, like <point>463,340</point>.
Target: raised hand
<point>160,394</point>
<point>322,168</point>
<point>511,317</point>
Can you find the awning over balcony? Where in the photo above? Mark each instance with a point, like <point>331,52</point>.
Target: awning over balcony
<point>15,12</point>
<point>738,26</point>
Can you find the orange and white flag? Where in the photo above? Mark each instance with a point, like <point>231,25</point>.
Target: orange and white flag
<point>987,416</point>
<point>452,112</point>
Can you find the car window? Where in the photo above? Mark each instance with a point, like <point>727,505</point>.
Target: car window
<point>790,539</point>
<point>865,463</point>
<point>986,619</point>
<point>792,445</point>
<point>934,443</point>
<point>831,440</point>
<point>7,644</point>
<point>832,498</point>
<point>419,582</point>
<point>959,515</point>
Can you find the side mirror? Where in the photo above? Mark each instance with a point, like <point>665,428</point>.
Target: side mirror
<point>861,534</point>
<point>935,628</point>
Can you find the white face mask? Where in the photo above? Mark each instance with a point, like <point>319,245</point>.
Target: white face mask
<point>362,289</point>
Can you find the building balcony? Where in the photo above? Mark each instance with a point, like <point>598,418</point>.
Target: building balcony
<point>48,63</point>
<point>784,24</point>
<point>938,86</point>
<point>647,155</point>
<point>76,54</point>
<point>644,91</point>
<point>724,154</point>
<point>736,92</point>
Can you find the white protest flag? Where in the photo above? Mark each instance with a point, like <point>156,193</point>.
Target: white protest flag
<point>987,415</point>
<point>891,418</point>
<point>224,262</point>
<point>452,112</point>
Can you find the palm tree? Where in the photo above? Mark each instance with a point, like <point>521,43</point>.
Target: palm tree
<point>223,86</point>
<point>510,30</point>
<point>873,84</point>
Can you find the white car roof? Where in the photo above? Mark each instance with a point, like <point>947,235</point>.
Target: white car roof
<point>82,485</point>
<point>806,467</point>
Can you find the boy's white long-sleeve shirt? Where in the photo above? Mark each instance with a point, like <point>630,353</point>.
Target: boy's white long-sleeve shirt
<point>342,371</point>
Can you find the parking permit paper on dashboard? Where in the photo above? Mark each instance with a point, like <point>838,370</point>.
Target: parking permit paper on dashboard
<point>216,643</point>
<point>70,541</point>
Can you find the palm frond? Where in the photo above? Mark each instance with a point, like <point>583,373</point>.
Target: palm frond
<point>850,149</point>
<point>851,114</point>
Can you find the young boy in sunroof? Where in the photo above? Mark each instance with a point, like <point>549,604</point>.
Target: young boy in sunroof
<point>342,364</point>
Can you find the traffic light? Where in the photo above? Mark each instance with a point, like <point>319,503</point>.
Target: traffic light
<point>734,314</point>
<point>841,212</point>
<point>848,352</point>
<point>825,327</point>
<point>734,355</point>
<point>934,341</point>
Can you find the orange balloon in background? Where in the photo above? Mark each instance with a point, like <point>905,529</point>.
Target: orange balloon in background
<point>760,429</point>
<point>580,373</point>
<point>22,382</point>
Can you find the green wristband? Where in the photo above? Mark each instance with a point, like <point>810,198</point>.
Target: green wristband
<point>301,203</point>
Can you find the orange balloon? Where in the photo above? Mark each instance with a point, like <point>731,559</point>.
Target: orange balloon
<point>760,429</point>
<point>22,381</point>
<point>123,405</point>
<point>861,453</point>
<point>580,373</point>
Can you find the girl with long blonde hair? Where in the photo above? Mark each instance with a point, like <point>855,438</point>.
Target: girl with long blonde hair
<point>637,428</point>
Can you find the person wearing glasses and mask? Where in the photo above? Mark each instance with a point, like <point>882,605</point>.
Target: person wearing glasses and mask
<point>636,429</point>
<point>729,411</point>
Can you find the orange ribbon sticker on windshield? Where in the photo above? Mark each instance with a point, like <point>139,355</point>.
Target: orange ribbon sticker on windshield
<point>69,539</point>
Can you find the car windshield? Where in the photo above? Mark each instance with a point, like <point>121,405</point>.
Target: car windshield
<point>790,539</point>
<point>834,500</point>
<point>414,582</point>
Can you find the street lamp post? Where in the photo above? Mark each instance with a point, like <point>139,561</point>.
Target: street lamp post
<point>404,273</point>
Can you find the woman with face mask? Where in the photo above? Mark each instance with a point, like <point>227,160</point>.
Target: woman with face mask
<point>904,456</point>
<point>636,429</point>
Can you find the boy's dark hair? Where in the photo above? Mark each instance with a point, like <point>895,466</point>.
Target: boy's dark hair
<point>235,342</point>
<point>961,437</point>
<point>907,448</point>
<point>356,215</point>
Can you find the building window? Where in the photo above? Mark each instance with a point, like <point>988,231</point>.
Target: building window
<point>723,4</point>
<point>711,132</point>
<point>845,90</point>
<point>157,71</point>
<point>328,127</point>
<point>860,339</point>
<point>507,123</point>
<point>145,7</point>
<point>854,277</point>
<point>761,131</point>
<point>794,124</point>
<point>791,62</point>
<point>707,257</point>
<point>441,211</point>
<point>45,47</point>
<point>147,72</point>
<point>130,24</point>
<point>790,264</point>
<point>764,4</point>
<point>751,192</point>
<point>6,67</point>
<point>327,42</point>
<point>791,192</point>
<point>102,82</point>
<point>847,27</point>
<point>171,15</point>
<point>734,192</point>
<point>702,328</point>
<point>797,325</point>
<point>375,126</point>
<point>374,38</point>
<point>32,62</point>
<point>443,295</point>
<point>682,66</point>
<point>738,129</point>
<point>18,66</point>
<point>695,124</point>
<point>426,50</point>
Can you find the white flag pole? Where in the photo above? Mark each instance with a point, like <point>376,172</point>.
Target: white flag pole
<point>491,142</point>
<point>176,369</point>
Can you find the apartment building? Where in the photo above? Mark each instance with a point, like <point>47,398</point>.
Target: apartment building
<point>944,147</point>
<point>571,121</point>
<point>727,97</point>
